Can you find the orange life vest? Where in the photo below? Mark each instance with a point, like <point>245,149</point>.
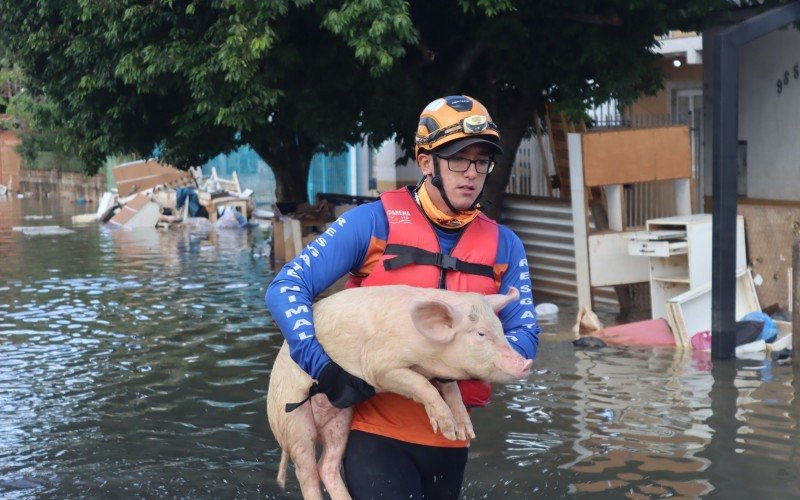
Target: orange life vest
<point>413,257</point>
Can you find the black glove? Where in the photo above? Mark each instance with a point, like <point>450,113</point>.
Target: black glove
<point>343,390</point>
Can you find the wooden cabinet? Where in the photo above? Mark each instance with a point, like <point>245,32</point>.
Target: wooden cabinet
<point>679,252</point>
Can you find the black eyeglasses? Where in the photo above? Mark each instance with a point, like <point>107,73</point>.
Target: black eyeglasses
<point>461,164</point>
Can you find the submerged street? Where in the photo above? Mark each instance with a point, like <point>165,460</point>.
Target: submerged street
<point>136,364</point>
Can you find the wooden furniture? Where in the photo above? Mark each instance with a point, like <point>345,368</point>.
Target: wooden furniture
<point>214,204</point>
<point>690,312</point>
<point>604,162</point>
<point>679,253</point>
<point>217,183</point>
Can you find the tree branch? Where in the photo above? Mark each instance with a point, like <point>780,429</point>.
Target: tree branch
<point>461,65</point>
<point>597,19</point>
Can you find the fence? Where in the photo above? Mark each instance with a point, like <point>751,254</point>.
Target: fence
<point>329,174</point>
<point>643,201</point>
<point>529,173</point>
<point>545,227</point>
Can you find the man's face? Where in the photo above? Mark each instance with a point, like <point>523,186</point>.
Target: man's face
<point>462,188</point>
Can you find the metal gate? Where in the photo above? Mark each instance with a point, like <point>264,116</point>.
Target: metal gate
<point>545,227</point>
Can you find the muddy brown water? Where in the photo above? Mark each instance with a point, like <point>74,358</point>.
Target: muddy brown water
<point>135,364</point>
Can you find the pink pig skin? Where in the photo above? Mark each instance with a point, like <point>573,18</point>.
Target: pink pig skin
<point>396,338</point>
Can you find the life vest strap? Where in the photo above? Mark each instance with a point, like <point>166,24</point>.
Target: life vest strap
<point>406,255</point>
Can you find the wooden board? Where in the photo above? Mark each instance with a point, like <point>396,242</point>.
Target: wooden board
<point>139,212</point>
<point>141,175</point>
<point>690,312</point>
<point>770,237</point>
<point>610,263</point>
<point>287,236</point>
<point>636,155</point>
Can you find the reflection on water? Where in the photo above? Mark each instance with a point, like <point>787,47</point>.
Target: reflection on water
<point>136,364</point>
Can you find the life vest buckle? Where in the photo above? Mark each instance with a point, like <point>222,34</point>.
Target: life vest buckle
<point>445,261</point>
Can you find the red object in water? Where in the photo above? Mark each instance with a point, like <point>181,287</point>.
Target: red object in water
<point>701,341</point>
<point>651,332</point>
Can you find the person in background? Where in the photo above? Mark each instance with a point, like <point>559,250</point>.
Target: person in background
<point>429,235</point>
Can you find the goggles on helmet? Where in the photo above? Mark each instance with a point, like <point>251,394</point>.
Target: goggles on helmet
<point>473,124</point>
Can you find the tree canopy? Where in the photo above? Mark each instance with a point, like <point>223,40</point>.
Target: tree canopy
<point>291,78</point>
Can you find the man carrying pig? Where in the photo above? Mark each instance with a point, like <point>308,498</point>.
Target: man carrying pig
<point>430,235</point>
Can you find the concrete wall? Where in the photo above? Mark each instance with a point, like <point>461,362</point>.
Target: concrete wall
<point>68,185</point>
<point>9,160</point>
<point>769,120</point>
<point>686,76</point>
<point>387,175</point>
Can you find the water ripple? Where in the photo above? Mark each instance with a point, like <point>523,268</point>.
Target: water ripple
<point>135,364</point>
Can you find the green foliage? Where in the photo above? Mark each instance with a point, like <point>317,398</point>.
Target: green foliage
<point>44,146</point>
<point>10,82</point>
<point>194,78</point>
<point>377,30</point>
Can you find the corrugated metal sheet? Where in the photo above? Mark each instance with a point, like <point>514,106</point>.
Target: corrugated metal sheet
<point>545,227</point>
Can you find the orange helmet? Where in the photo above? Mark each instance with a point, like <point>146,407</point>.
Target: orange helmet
<point>457,120</point>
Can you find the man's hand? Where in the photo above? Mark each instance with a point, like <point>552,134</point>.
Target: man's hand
<point>343,390</point>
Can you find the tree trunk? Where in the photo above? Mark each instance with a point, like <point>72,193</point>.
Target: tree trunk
<point>512,130</point>
<point>290,163</point>
<point>291,181</point>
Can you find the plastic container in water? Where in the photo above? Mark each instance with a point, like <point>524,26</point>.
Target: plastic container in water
<point>546,309</point>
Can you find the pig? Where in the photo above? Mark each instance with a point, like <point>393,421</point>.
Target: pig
<point>396,338</point>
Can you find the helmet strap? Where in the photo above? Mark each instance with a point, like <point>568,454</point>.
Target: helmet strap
<point>480,195</point>
<point>436,180</point>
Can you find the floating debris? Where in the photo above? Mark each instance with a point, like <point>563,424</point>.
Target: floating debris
<point>42,230</point>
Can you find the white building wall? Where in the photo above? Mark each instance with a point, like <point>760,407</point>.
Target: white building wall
<point>387,174</point>
<point>770,120</point>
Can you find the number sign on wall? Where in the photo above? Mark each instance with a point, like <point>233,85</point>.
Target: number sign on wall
<point>787,76</point>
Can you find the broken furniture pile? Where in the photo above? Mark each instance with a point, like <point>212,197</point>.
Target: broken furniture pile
<point>678,253</point>
<point>151,194</point>
<point>613,175</point>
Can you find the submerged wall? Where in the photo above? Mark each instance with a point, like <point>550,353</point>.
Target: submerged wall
<point>67,185</point>
<point>9,159</point>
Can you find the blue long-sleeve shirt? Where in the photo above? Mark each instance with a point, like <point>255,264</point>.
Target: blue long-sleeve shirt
<point>349,245</point>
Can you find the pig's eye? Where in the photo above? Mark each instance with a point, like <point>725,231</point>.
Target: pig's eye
<point>481,334</point>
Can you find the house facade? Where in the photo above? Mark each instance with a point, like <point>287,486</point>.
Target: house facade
<point>769,117</point>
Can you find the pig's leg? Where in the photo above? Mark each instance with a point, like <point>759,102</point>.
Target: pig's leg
<point>333,425</point>
<point>452,396</point>
<point>301,446</point>
<point>411,384</point>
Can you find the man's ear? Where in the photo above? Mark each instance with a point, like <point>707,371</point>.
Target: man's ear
<point>425,162</point>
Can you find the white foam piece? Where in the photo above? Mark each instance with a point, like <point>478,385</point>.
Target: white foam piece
<point>42,230</point>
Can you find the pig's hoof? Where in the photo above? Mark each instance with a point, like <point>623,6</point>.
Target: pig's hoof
<point>466,432</point>
<point>448,429</point>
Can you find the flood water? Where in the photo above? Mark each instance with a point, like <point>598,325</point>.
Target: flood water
<point>135,364</point>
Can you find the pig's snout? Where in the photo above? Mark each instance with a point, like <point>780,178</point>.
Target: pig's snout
<point>525,369</point>
<point>513,367</point>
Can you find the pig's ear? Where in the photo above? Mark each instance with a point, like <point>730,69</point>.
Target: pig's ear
<point>498,302</point>
<point>434,319</point>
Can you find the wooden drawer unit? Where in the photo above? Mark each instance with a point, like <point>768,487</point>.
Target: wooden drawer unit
<point>679,251</point>
<point>657,248</point>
